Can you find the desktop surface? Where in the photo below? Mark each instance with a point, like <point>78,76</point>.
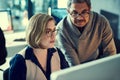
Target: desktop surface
<point>15,42</point>
<point>103,69</point>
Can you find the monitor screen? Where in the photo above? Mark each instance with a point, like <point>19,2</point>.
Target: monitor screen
<point>102,69</point>
<point>5,20</point>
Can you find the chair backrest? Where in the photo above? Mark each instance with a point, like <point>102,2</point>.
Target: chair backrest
<point>6,74</point>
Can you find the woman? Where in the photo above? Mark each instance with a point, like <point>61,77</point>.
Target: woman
<point>40,58</point>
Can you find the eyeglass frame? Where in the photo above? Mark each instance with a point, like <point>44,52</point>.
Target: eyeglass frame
<point>84,13</point>
<point>49,33</point>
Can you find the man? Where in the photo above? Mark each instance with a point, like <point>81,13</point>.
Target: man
<point>82,32</point>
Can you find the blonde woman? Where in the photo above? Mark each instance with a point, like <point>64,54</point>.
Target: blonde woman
<point>40,58</point>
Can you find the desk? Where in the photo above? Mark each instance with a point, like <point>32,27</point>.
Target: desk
<point>12,45</point>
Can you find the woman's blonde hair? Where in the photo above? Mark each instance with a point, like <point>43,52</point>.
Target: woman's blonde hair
<point>36,27</point>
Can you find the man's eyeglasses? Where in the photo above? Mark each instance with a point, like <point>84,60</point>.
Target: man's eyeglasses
<point>84,13</point>
<point>50,33</point>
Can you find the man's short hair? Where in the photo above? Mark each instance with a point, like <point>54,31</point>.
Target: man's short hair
<point>88,2</point>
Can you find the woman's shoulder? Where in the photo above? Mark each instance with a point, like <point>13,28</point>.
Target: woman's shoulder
<point>17,67</point>
<point>17,59</point>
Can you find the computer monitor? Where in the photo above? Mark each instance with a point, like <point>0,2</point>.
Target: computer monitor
<point>6,21</point>
<point>107,68</point>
